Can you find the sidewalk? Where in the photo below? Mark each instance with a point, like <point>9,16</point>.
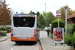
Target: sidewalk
<point>5,37</point>
<point>47,43</point>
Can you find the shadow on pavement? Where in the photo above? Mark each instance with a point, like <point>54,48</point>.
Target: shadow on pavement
<point>26,43</point>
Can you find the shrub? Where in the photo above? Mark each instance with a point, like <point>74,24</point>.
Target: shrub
<point>8,27</point>
<point>3,28</point>
<point>51,35</point>
<point>67,39</point>
<point>55,24</point>
<point>1,34</point>
<point>69,29</point>
<point>0,28</point>
<point>4,33</point>
<point>42,27</point>
<point>73,29</point>
<point>73,39</point>
<point>8,30</point>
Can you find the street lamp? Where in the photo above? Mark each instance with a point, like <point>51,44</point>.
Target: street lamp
<point>45,14</point>
<point>66,18</point>
<point>16,13</point>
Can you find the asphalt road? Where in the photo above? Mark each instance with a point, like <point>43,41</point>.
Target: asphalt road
<point>8,45</point>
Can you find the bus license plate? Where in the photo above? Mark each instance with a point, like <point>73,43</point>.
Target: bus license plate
<point>23,38</point>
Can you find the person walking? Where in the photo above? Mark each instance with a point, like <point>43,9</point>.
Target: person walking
<point>48,32</point>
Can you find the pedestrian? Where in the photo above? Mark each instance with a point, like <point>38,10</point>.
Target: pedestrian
<point>48,32</point>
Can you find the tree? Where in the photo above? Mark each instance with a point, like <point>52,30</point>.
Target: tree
<point>69,12</point>
<point>44,14</point>
<point>73,12</point>
<point>38,13</point>
<point>49,18</point>
<point>5,14</point>
<point>31,12</point>
<point>41,20</point>
<point>0,12</point>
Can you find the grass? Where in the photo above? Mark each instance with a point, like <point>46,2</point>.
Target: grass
<point>51,35</point>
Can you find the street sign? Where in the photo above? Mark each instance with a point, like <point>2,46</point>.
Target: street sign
<point>58,13</point>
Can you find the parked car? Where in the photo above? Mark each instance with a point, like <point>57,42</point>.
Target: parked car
<point>45,29</point>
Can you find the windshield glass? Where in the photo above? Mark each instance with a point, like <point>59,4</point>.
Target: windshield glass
<point>23,21</point>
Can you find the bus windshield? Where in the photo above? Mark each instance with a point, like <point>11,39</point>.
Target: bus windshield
<point>23,21</point>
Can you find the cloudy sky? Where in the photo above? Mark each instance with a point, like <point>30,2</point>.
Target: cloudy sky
<point>39,5</point>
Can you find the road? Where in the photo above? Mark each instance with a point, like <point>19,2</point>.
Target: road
<point>8,45</point>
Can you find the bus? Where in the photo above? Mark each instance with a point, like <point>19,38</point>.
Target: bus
<point>24,27</point>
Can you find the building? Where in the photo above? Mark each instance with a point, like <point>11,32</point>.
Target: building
<point>71,19</point>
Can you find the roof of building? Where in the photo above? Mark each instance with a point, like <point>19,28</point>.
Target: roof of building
<point>72,16</point>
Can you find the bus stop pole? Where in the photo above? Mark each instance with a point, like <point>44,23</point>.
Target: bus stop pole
<point>58,21</point>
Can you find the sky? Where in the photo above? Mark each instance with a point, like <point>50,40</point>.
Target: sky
<point>38,5</point>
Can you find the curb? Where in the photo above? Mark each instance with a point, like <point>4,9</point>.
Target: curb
<point>4,39</point>
<point>42,45</point>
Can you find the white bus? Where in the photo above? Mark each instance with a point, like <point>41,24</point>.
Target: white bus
<point>24,27</point>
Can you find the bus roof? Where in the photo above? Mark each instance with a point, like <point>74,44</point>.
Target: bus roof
<point>23,15</point>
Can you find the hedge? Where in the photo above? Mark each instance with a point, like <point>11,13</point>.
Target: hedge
<point>67,39</point>
<point>69,29</point>
<point>55,24</point>
<point>8,27</point>
<point>73,40</point>
<point>73,29</point>
<point>51,35</point>
<point>3,33</point>
<point>2,28</point>
<point>8,30</point>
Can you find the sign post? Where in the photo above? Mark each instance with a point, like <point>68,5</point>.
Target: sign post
<point>58,33</point>
<point>58,14</point>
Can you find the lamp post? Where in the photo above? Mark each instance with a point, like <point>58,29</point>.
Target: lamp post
<point>16,13</point>
<point>66,18</point>
<point>45,14</point>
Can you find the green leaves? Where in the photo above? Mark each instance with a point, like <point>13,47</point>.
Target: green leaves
<point>73,39</point>
<point>31,12</point>
<point>49,18</point>
<point>44,20</point>
<point>69,12</point>
<point>67,39</point>
<point>55,24</point>
<point>38,13</point>
<point>41,20</point>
